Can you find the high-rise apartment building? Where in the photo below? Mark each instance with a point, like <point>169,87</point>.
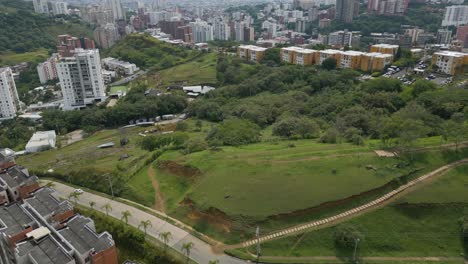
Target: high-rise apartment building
<point>106,36</point>
<point>388,7</point>
<point>117,9</point>
<point>9,100</point>
<point>455,15</point>
<point>202,31</point>
<point>341,38</point>
<point>80,79</point>
<point>346,10</point>
<point>47,70</point>
<point>450,62</point>
<point>59,8</point>
<point>41,6</point>
<point>444,36</point>
<point>462,35</point>
<point>222,31</point>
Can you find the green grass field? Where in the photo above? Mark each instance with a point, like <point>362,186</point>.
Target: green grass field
<point>85,154</point>
<point>423,223</point>
<point>199,71</point>
<point>11,58</point>
<point>116,89</point>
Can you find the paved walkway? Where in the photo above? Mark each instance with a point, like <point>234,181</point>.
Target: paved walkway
<point>201,253</point>
<point>333,219</point>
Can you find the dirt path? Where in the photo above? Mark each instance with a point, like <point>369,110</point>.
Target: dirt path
<point>158,197</point>
<point>385,199</point>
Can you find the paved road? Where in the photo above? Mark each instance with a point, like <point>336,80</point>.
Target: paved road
<point>201,253</point>
<point>128,79</point>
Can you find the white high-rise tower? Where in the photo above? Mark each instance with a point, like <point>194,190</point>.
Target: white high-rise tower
<point>81,79</point>
<point>9,100</point>
<point>117,10</point>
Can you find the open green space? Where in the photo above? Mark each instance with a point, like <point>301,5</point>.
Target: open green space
<point>421,224</point>
<point>199,71</point>
<point>116,89</point>
<point>11,58</point>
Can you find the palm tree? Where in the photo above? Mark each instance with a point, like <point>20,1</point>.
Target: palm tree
<point>75,196</point>
<point>92,204</point>
<point>125,216</point>
<point>187,247</point>
<point>165,237</point>
<point>107,207</point>
<point>145,225</point>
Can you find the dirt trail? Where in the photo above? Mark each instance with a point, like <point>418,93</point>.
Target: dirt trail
<point>159,203</point>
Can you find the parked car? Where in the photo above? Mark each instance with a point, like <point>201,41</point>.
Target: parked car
<point>79,191</point>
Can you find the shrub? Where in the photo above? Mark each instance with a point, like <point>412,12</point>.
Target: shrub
<point>234,132</point>
<point>346,236</point>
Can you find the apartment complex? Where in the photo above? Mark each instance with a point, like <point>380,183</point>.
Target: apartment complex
<point>298,56</point>
<point>106,36</point>
<point>122,67</point>
<point>455,15</point>
<point>117,11</point>
<point>251,52</point>
<point>48,70</point>
<point>222,30</point>
<point>81,79</point>
<point>41,6</point>
<point>385,49</point>
<point>450,62</point>
<point>345,59</point>
<point>9,100</point>
<point>388,7</point>
<point>59,8</point>
<point>66,44</point>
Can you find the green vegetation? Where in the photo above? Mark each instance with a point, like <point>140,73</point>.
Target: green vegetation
<point>25,31</point>
<point>116,89</point>
<point>199,71</point>
<point>134,106</point>
<point>11,58</point>
<point>150,53</point>
<point>423,223</point>
<point>132,243</point>
<point>83,163</point>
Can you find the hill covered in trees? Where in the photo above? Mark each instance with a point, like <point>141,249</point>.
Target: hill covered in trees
<point>148,52</point>
<point>23,30</point>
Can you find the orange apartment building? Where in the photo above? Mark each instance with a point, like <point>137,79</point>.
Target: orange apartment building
<point>251,52</point>
<point>298,56</point>
<point>450,62</point>
<point>384,48</point>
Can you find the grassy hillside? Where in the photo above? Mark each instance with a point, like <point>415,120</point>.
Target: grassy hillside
<point>148,52</point>
<point>199,71</point>
<point>25,31</point>
<point>423,223</point>
<point>12,58</point>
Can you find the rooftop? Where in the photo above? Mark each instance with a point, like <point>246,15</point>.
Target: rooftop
<point>81,234</point>
<point>44,251</point>
<point>252,47</point>
<point>14,219</point>
<point>386,46</point>
<point>451,54</point>
<point>45,201</point>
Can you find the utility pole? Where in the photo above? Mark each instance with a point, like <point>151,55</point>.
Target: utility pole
<point>355,250</point>
<point>110,184</point>
<point>257,235</point>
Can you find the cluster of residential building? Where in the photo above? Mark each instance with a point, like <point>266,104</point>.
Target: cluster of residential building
<point>37,226</point>
<point>51,7</point>
<point>377,59</point>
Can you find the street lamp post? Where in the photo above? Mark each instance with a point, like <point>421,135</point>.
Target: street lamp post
<point>355,250</point>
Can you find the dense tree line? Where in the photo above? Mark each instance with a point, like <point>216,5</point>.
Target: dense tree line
<point>133,107</point>
<point>23,30</point>
<point>306,102</point>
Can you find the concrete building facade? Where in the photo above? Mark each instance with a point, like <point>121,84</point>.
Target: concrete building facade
<point>9,100</point>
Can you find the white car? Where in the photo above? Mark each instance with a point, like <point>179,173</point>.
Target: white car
<point>79,191</point>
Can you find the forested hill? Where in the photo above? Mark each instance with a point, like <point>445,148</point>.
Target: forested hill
<point>148,52</point>
<point>23,30</point>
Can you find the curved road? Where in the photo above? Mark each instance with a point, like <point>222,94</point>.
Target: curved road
<point>201,253</point>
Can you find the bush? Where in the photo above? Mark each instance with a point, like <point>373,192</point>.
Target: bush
<point>234,132</point>
<point>294,127</point>
<point>346,236</point>
<point>174,140</point>
<point>195,145</point>
<point>331,136</point>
